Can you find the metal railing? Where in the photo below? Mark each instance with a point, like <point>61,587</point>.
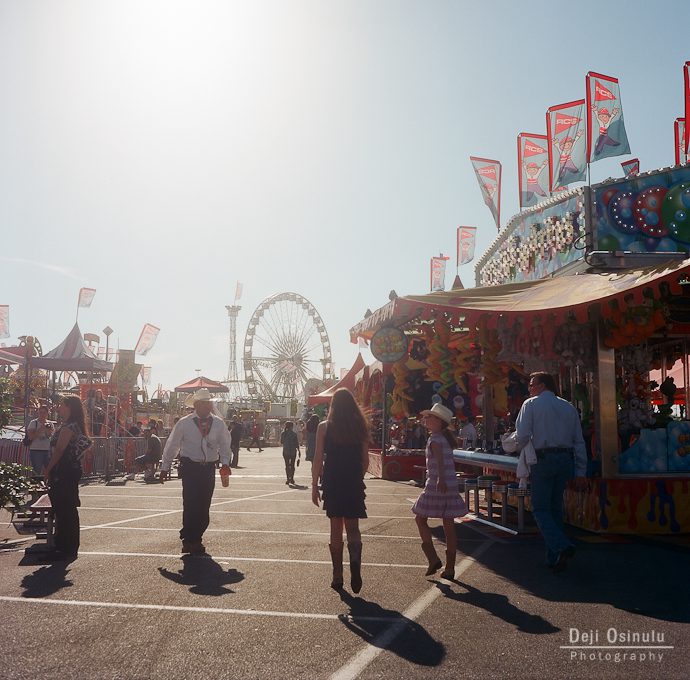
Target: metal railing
<point>108,457</point>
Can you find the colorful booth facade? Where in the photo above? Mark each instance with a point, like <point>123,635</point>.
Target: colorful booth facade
<point>593,287</point>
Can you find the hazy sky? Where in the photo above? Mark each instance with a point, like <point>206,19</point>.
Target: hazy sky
<point>159,151</point>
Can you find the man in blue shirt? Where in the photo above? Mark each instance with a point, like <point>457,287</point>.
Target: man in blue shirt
<point>553,425</point>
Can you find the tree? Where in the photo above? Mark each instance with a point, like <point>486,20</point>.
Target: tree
<point>5,402</point>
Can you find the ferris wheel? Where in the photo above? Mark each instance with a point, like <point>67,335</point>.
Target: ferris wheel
<point>285,346</point>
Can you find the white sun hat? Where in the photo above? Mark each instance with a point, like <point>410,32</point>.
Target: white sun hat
<point>440,411</point>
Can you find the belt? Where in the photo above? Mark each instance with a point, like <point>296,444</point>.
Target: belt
<point>185,460</point>
<point>555,449</point>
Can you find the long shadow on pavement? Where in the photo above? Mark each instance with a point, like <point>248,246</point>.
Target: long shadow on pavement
<point>46,580</point>
<point>500,607</point>
<point>635,577</point>
<point>389,629</point>
<point>204,576</point>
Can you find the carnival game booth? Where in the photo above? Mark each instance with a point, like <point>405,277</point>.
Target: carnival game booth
<point>612,326</point>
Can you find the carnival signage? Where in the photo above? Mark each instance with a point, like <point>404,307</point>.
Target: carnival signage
<point>389,345</point>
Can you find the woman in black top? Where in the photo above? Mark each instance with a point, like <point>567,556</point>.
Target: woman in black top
<point>63,474</point>
<point>343,440</point>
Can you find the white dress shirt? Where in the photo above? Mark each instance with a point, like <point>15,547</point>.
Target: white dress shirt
<point>186,439</point>
<point>552,422</point>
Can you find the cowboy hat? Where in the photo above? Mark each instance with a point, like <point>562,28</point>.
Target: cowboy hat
<point>440,411</point>
<point>200,395</point>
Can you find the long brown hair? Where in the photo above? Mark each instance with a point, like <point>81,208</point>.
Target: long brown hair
<point>76,413</point>
<point>450,437</point>
<point>346,422</point>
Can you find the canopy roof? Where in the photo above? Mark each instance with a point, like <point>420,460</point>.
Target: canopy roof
<point>558,296</point>
<point>12,355</point>
<point>199,382</point>
<point>71,354</point>
<point>348,381</point>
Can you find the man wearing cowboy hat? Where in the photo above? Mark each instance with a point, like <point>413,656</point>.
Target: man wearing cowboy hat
<point>201,439</point>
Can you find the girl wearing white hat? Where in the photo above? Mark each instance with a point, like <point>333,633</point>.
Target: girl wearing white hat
<point>441,496</point>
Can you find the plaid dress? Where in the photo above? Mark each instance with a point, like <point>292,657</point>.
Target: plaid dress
<point>432,503</point>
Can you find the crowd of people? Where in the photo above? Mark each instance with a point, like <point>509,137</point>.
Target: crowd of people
<point>338,450</point>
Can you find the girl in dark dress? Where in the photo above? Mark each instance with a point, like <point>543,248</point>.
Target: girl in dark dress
<point>343,441</point>
<point>62,476</point>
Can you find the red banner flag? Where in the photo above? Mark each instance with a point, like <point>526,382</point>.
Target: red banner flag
<point>565,130</point>
<point>465,244</point>
<point>147,339</point>
<point>488,174</point>
<point>86,296</point>
<point>679,131</point>
<point>606,135</point>
<point>533,158</point>
<point>438,273</point>
<point>686,97</point>
<point>631,167</point>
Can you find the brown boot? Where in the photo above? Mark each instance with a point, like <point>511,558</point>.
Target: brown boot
<point>337,560</point>
<point>355,550</point>
<point>449,571</point>
<point>434,562</point>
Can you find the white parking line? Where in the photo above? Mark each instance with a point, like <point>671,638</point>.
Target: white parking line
<point>172,512</point>
<point>233,558</point>
<point>315,514</point>
<point>204,610</point>
<point>276,500</point>
<point>356,665</point>
<point>259,531</point>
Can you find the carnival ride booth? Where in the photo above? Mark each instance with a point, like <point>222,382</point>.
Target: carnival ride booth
<point>611,325</point>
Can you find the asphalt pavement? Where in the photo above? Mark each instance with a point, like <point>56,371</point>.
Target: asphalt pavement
<point>260,605</point>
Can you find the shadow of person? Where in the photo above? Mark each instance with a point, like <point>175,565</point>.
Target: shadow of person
<point>500,607</point>
<point>46,580</point>
<point>389,629</point>
<point>203,575</point>
<point>300,487</point>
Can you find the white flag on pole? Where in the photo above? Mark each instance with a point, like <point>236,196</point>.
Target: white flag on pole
<point>238,291</point>
<point>147,339</point>
<point>145,375</point>
<point>86,296</point>
<point>4,321</point>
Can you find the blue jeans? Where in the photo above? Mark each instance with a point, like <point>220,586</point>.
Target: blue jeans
<point>39,459</point>
<point>548,477</point>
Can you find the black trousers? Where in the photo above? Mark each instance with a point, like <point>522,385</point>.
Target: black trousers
<point>290,465</point>
<point>235,448</point>
<point>64,496</point>
<point>198,482</point>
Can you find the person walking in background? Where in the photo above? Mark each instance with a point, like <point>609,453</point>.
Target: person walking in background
<point>236,430</point>
<point>288,438</point>
<point>256,437</point>
<point>343,440</point>
<point>553,425</point>
<point>150,459</point>
<point>440,497</point>
<point>63,473</point>
<point>39,431</point>
<point>312,425</point>
<point>202,439</point>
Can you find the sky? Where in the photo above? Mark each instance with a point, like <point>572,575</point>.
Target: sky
<point>160,151</point>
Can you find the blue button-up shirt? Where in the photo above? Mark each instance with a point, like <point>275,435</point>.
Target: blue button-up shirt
<point>552,422</point>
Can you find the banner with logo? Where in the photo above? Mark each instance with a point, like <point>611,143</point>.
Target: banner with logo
<point>465,244</point>
<point>489,177</point>
<point>679,141</point>
<point>438,273</point>
<point>566,128</point>
<point>533,161</point>
<point>145,375</point>
<point>631,168</point>
<point>147,339</point>
<point>86,296</point>
<point>4,321</point>
<point>606,128</point>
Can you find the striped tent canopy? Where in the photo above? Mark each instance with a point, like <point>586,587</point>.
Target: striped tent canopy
<point>72,354</point>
